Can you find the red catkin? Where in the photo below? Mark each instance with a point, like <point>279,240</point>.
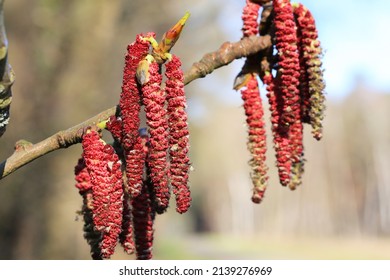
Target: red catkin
<point>84,185</point>
<point>156,119</point>
<point>311,71</point>
<point>256,137</point>
<point>249,17</point>
<point>135,181</point>
<point>178,134</point>
<point>130,98</point>
<point>297,160</point>
<point>135,162</point>
<point>126,237</point>
<point>253,106</point>
<point>83,180</point>
<point>105,171</point>
<point>282,143</point>
<point>143,219</point>
<point>92,236</point>
<point>288,61</point>
<point>142,210</point>
<point>115,127</point>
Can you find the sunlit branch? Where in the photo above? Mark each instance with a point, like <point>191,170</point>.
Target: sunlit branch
<point>25,152</point>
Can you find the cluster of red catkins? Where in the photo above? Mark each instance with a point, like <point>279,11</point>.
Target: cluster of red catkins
<point>295,88</point>
<point>125,184</point>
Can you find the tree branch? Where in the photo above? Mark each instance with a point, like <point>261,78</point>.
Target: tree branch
<point>225,55</point>
<point>25,152</point>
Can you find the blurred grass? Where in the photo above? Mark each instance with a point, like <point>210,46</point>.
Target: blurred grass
<point>274,247</point>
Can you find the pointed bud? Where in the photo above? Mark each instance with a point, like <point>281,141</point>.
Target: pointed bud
<point>172,35</point>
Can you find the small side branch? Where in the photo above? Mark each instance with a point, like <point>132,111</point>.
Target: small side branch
<point>25,152</point>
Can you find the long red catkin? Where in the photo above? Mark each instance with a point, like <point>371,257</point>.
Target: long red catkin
<point>135,184</point>
<point>130,98</point>
<point>256,137</point>
<point>178,134</point>
<point>254,109</point>
<point>105,171</point>
<point>311,71</point>
<point>282,144</point>
<point>156,119</point>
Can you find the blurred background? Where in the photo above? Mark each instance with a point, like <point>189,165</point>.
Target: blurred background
<point>68,58</point>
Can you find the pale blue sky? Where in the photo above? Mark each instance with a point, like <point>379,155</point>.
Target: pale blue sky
<point>354,35</point>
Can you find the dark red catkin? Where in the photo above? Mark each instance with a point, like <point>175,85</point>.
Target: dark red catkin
<point>106,177</point>
<point>156,119</point>
<point>126,237</point>
<point>130,98</point>
<point>93,236</point>
<point>288,62</point>
<point>311,71</point>
<point>178,134</point>
<point>84,185</point>
<point>143,219</point>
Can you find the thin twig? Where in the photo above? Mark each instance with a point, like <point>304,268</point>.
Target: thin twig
<point>25,152</point>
